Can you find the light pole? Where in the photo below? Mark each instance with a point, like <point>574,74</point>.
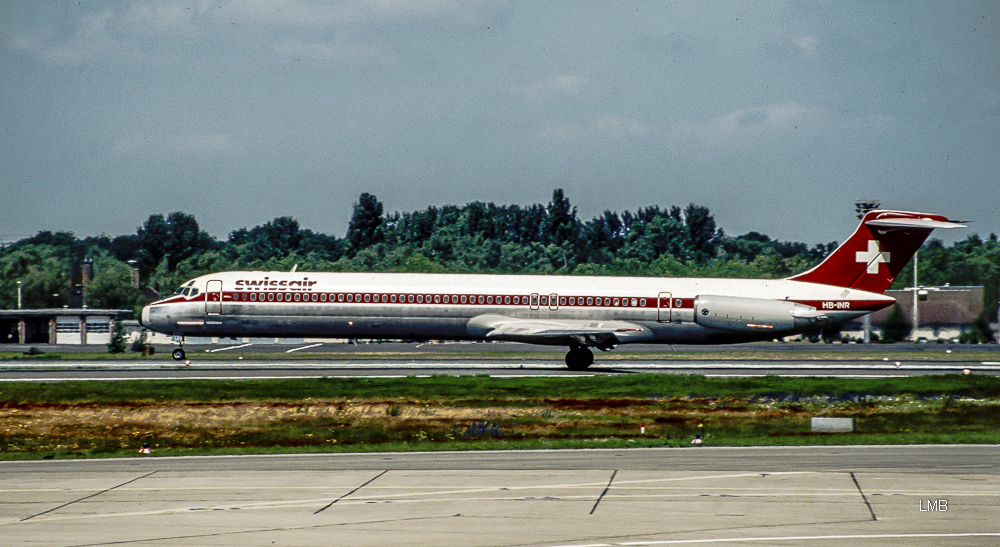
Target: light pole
<point>862,207</point>
<point>18,294</point>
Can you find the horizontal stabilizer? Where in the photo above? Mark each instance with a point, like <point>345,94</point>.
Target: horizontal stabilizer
<point>927,223</point>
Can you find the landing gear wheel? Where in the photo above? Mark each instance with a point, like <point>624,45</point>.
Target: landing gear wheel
<point>178,354</point>
<point>579,358</point>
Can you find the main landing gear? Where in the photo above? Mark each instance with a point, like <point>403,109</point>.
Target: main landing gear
<point>579,358</point>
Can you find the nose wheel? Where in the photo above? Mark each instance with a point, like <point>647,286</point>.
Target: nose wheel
<point>579,358</point>
<point>178,354</point>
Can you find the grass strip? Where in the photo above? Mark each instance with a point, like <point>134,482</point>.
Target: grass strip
<point>452,388</point>
<point>112,419</point>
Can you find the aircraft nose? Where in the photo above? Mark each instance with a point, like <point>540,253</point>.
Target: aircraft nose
<point>144,316</point>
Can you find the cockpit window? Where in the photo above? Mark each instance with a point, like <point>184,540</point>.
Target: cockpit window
<point>185,290</point>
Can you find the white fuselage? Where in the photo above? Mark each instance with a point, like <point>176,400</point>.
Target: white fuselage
<point>448,306</point>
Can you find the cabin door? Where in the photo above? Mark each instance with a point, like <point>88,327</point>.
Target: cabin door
<point>663,307</point>
<point>213,297</point>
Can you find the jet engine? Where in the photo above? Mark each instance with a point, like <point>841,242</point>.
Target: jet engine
<point>753,314</point>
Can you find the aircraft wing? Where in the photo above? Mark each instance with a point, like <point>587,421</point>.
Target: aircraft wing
<point>600,334</point>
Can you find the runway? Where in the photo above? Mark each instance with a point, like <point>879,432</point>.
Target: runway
<point>388,368</point>
<point>823,496</point>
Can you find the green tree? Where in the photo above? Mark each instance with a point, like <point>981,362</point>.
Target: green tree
<point>702,237</point>
<point>272,240</point>
<point>364,230</point>
<point>112,287</point>
<point>560,224</point>
<point>896,326</point>
<point>118,342</point>
<point>154,237</point>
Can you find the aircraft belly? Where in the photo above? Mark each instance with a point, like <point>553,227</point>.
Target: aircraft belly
<point>372,326</point>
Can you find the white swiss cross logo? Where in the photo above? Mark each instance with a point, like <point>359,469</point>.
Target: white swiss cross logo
<point>872,256</point>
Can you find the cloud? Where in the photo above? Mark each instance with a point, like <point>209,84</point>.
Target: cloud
<point>193,146</point>
<point>89,40</point>
<point>339,50</point>
<point>749,125</point>
<point>604,128</point>
<point>112,33</point>
<point>311,14</point>
<point>612,125</point>
<point>558,86</point>
<point>808,45</point>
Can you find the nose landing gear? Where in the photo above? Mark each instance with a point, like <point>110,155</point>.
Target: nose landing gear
<point>178,354</point>
<point>579,358</point>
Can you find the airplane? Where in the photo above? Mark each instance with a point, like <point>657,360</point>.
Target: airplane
<point>580,312</point>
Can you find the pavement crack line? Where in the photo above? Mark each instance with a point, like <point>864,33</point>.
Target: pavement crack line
<point>606,488</point>
<point>371,480</point>
<point>88,497</point>
<point>863,496</point>
<point>133,541</point>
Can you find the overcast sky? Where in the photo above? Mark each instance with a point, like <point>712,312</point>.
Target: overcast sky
<point>774,115</point>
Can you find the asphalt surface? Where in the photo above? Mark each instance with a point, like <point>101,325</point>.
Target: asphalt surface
<point>315,360</point>
<point>822,496</point>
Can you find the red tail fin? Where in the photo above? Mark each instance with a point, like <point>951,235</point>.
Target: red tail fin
<point>873,256</point>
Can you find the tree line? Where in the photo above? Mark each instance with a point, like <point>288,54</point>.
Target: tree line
<point>473,238</point>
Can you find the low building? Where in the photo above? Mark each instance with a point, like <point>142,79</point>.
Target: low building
<point>59,325</point>
<point>942,313</point>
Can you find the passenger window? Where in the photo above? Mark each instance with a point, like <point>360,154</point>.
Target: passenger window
<point>270,296</point>
<point>562,300</point>
<point>489,299</point>
<point>617,301</point>
<point>437,298</point>
<point>590,301</point>
<point>420,299</point>
<point>447,299</point>
<point>480,299</point>
<point>350,298</point>
<point>464,299</point>
<point>642,302</point>
<point>506,300</point>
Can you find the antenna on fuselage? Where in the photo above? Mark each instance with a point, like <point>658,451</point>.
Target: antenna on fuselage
<point>295,267</point>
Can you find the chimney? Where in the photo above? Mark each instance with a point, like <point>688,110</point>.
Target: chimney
<point>135,273</point>
<point>88,271</point>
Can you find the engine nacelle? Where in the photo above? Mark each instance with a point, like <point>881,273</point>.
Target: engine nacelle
<point>753,314</point>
